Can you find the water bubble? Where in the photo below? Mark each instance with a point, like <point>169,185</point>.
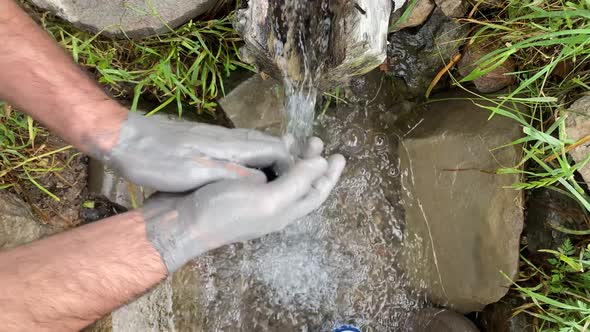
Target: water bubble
<point>381,141</point>
<point>354,140</point>
<point>394,171</point>
<point>374,180</point>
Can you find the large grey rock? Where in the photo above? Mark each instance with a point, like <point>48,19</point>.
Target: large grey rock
<point>418,55</point>
<point>132,18</point>
<point>18,225</point>
<point>468,224</point>
<point>316,40</point>
<point>578,128</point>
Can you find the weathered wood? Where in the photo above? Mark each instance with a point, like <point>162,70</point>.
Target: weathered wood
<point>326,41</point>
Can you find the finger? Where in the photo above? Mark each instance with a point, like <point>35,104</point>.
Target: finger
<point>314,148</point>
<point>321,189</point>
<point>215,170</point>
<point>240,134</point>
<point>259,135</point>
<point>235,171</point>
<point>286,160</point>
<point>292,186</point>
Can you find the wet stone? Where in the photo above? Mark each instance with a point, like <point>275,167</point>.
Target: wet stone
<point>335,267</point>
<point>463,224</point>
<point>256,93</point>
<point>418,15</point>
<point>129,18</point>
<point>417,55</point>
<point>547,210</point>
<point>493,81</point>
<point>499,317</point>
<point>105,182</point>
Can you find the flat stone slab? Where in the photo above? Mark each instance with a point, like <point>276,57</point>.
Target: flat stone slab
<point>463,224</point>
<point>132,18</point>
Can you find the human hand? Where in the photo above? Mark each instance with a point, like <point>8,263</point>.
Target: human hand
<point>182,227</point>
<point>174,156</point>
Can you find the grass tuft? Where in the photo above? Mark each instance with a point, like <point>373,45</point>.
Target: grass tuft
<point>24,154</point>
<point>559,291</point>
<point>549,40</point>
<point>186,66</point>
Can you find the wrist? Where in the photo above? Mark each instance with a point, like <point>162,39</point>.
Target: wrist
<point>160,217</point>
<point>100,124</point>
<point>172,231</point>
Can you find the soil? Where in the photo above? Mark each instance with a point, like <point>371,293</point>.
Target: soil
<point>68,184</point>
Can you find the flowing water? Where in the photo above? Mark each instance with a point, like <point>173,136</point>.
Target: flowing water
<point>339,265</point>
<point>302,31</point>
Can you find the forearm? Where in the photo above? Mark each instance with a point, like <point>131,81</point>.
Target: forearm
<point>67,281</point>
<point>39,78</point>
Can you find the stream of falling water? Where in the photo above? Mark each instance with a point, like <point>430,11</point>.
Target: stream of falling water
<point>303,32</point>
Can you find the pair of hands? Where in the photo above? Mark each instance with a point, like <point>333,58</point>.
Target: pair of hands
<point>215,192</point>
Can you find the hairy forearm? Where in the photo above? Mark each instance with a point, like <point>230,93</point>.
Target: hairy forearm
<point>39,78</point>
<point>67,281</point>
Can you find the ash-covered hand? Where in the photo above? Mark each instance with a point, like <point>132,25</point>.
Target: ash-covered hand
<point>182,227</point>
<point>174,156</point>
